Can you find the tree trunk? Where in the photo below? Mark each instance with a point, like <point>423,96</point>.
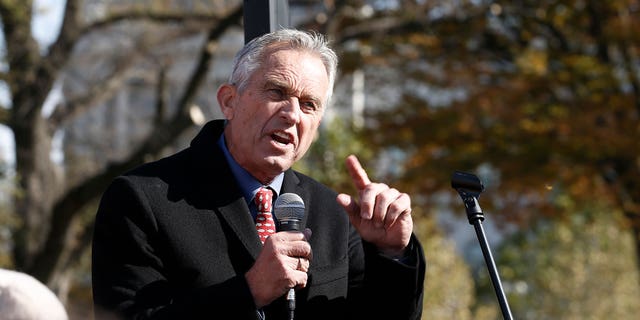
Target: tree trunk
<point>38,186</point>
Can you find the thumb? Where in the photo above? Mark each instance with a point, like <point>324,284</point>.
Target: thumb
<point>350,205</point>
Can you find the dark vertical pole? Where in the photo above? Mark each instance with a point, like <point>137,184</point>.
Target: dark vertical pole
<point>264,16</point>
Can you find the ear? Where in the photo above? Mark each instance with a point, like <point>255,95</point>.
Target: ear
<point>226,99</point>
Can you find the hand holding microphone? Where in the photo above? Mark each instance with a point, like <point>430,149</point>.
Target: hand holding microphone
<point>289,210</point>
<point>284,260</point>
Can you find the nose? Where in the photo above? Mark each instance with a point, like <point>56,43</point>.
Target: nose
<point>291,110</point>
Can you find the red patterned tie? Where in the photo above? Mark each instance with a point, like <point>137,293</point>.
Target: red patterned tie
<point>264,221</point>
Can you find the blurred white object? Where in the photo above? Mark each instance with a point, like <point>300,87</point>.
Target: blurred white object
<point>22,297</point>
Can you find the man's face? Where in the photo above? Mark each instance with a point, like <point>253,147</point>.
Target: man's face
<point>272,123</point>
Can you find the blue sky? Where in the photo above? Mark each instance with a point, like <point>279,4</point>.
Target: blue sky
<point>47,20</point>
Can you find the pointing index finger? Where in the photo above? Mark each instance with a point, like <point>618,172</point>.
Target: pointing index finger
<point>358,174</point>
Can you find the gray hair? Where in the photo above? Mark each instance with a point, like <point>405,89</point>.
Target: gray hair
<point>249,58</point>
<point>22,297</point>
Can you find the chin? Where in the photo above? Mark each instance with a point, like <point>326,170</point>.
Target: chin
<point>280,164</point>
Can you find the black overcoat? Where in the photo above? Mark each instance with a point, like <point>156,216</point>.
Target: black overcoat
<point>174,238</point>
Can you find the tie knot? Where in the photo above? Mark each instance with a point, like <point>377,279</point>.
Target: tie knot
<point>263,199</point>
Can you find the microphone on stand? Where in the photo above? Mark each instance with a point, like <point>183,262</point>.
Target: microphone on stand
<point>289,210</point>
<point>469,188</point>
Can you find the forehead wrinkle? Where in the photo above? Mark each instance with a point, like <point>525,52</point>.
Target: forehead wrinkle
<point>289,76</point>
<point>281,80</point>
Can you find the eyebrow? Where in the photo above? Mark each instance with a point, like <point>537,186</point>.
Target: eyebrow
<point>283,85</point>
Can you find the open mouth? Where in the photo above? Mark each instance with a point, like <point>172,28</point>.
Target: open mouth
<point>282,138</point>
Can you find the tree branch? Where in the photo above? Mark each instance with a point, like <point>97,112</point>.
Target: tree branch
<point>60,50</point>
<point>71,32</point>
<point>94,96</point>
<point>22,55</point>
<point>105,90</point>
<point>162,17</point>
<point>204,60</point>
<point>81,195</point>
<point>161,103</point>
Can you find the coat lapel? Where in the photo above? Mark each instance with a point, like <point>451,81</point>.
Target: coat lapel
<point>215,178</point>
<point>237,215</point>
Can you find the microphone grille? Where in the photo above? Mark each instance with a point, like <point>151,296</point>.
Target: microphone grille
<point>289,206</point>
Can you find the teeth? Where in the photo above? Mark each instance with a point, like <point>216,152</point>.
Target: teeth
<point>281,137</point>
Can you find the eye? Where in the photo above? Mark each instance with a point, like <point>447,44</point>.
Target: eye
<point>309,106</point>
<point>276,94</point>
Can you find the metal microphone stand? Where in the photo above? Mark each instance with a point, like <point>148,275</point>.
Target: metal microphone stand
<point>469,187</point>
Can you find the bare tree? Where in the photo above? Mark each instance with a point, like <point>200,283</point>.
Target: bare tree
<point>46,241</point>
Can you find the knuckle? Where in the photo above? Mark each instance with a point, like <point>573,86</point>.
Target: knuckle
<point>396,207</point>
<point>379,186</point>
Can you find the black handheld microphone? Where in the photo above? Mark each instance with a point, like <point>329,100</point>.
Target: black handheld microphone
<point>289,210</point>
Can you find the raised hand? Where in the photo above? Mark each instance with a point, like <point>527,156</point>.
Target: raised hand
<point>382,215</point>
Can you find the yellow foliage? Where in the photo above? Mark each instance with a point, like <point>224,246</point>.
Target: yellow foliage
<point>533,61</point>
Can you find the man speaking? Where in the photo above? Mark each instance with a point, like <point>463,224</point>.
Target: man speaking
<point>192,236</point>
